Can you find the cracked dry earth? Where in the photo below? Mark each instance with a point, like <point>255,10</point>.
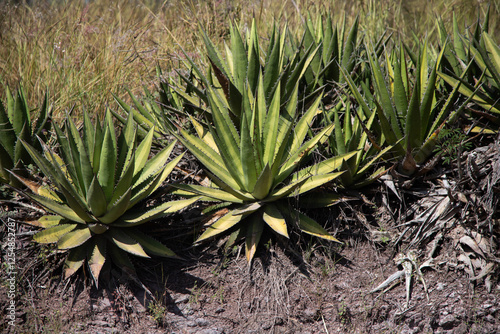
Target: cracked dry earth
<point>420,260</point>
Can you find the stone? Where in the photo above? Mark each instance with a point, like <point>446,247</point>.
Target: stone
<point>448,322</point>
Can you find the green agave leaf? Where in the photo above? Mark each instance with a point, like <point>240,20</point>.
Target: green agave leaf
<point>208,157</point>
<point>222,225</point>
<point>7,134</point>
<point>74,261</point>
<point>273,217</point>
<point>83,167</point>
<point>107,164</point>
<point>320,200</point>
<point>124,185</point>
<point>248,148</point>
<point>126,146</point>
<point>116,209</point>
<point>153,246</point>
<point>20,113</point>
<point>74,238</point>
<point>125,241</point>
<point>121,259</point>
<point>96,198</point>
<point>311,227</point>
<point>53,234</point>
<point>97,257</point>
<point>263,184</point>
<point>270,132</point>
<point>142,152</point>
<point>294,159</point>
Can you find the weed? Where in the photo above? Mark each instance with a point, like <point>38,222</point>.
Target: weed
<point>451,143</point>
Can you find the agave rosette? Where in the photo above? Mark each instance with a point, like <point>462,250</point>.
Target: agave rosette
<point>96,183</point>
<point>411,110</point>
<point>16,125</point>
<point>253,165</point>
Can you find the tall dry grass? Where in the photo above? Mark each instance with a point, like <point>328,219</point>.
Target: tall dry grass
<point>82,51</point>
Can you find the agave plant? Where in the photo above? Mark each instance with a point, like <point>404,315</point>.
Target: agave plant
<point>351,134</point>
<point>16,125</point>
<point>410,111</point>
<point>97,182</point>
<point>253,165</point>
<point>486,90</point>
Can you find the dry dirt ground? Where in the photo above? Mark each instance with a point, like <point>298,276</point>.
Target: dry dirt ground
<point>438,239</point>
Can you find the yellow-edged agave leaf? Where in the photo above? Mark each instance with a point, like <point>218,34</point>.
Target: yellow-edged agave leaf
<point>74,238</point>
<point>48,193</point>
<point>311,227</point>
<point>60,209</point>
<point>253,232</point>
<point>247,208</point>
<point>74,260</point>
<point>222,225</point>
<point>47,221</point>
<point>214,193</point>
<point>153,246</point>
<point>126,242</point>
<point>324,167</point>
<point>286,190</point>
<point>204,134</point>
<point>155,164</point>
<point>133,219</point>
<point>315,181</point>
<point>273,217</point>
<point>97,257</point>
<point>53,234</point>
<point>494,56</point>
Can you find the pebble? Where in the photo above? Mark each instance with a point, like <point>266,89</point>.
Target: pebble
<point>202,322</point>
<point>448,321</point>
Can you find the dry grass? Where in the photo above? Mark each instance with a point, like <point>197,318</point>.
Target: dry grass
<point>83,52</point>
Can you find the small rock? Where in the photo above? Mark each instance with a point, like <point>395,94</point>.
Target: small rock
<point>490,318</point>
<point>220,310</point>
<point>448,322</point>
<point>266,326</point>
<point>202,322</point>
<point>182,299</point>
<point>210,331</point>
<point>440,286</point>
<point>191,324</point>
